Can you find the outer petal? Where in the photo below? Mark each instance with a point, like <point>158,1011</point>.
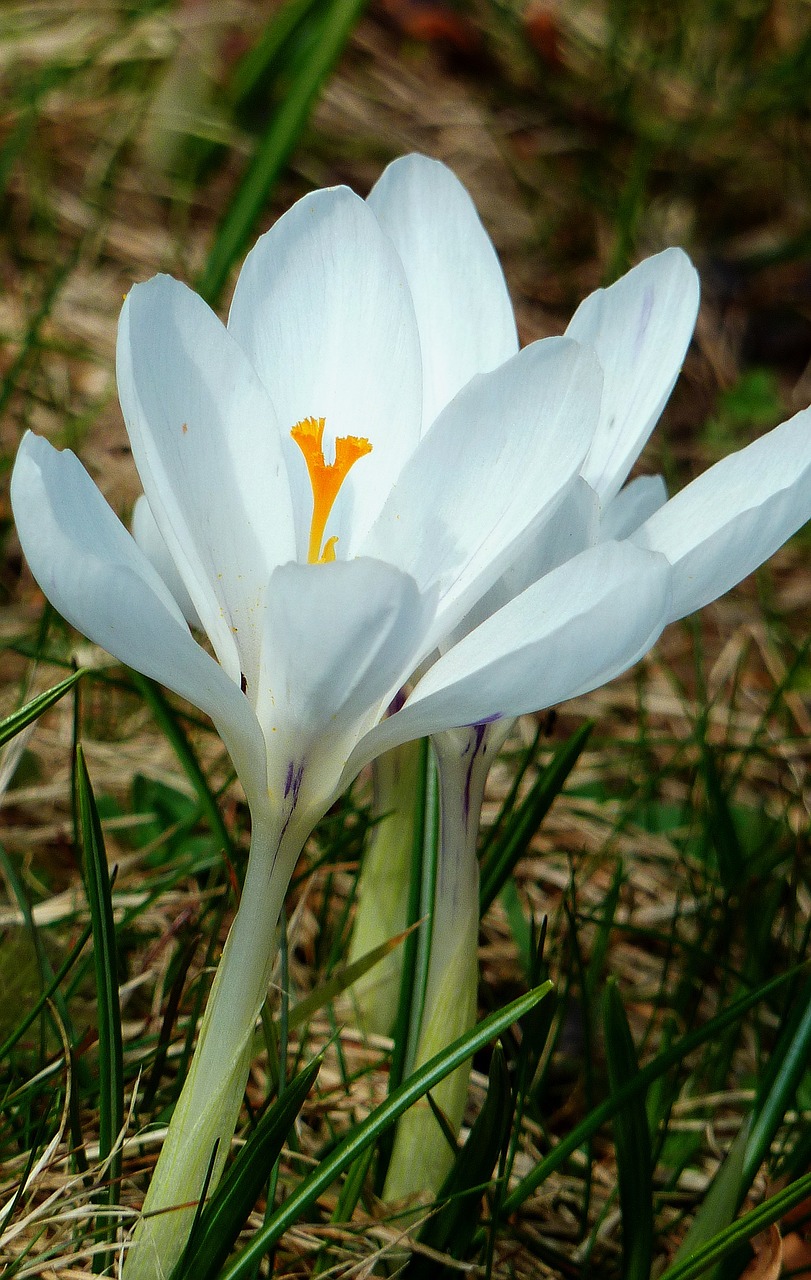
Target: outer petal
<point>464,312</point>
<point>640,328</point>
<point>632,506</point>
<point>494,463</point>
<point>734,516</point>
<point>341,639</point>
<point>148,537</point>
<point>323,310</point>
<point>94,574</point>
<point>570,632</point>
<point>205,442</point>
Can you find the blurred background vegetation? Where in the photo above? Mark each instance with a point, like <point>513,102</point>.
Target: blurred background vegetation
<point>144,137</point>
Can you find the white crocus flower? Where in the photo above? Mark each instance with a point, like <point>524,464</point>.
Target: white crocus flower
<point>327,535</point>
<point>335,495</point>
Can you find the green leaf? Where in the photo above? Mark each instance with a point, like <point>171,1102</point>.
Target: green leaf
<point>111,1067</point>
<point>501,857</point>
<point>720,824</point>
<point>53,985</point>
<point>739,1232</point>
<point>20,719</point>
<point>260,60</point>
<point>365,1133</point>
<point>274,148</point>
<point>789,1063</point>
<point>671,1057</point>
<point>168,722</point>
<point>226,1213</point>
<point>451,1229</point>
<point>301,1013</point>
<point>721,1202</point>
<point>632,1142</point>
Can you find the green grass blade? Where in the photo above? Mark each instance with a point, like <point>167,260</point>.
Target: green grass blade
<point>11,725</point>
<point>167,721</point>
<point>720,824</point>
<point>260,60</point>
<point>365,1133</point>
<point>511,846</point>
<point>739,1232</point>
<point>720,1204</point>
<point>305,1009</point>
<point>46,973</point>
<point>39,1005</point>
<point>452,1228</point>
<point>111,1067</point>
<point>226,1213</point>
<point>792,1057</point>
<point>631,1140</point>
<point>274,148</point>
<point>494,832</point>
<point>663,1062</point>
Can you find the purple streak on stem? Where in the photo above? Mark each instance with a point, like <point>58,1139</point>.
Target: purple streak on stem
<point>479,732</point>
<point>288,782</point>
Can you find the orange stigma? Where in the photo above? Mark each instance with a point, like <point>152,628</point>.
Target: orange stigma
<point>325,478</point>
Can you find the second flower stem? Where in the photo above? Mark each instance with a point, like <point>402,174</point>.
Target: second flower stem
<point>422,1156</point>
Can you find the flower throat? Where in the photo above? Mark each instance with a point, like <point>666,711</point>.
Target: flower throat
<point>326,479</point>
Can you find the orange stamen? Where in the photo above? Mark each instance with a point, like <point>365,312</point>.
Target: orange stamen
<point>325,478</point>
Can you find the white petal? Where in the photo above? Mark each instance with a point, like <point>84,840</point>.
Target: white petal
<point>464,312</point>
<point>572,631</point>
<point>493,465</point>
<point>570,529</point>
<point>640,328</point>
<point>205,442</point>
<point>94,574</point>
<point>323,310</point>
<point>734,516</point>
<point>341,639</point>
<point>148,537</point>
<point>633,505</point>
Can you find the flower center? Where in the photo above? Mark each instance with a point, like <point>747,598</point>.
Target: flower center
<point>326,478</point>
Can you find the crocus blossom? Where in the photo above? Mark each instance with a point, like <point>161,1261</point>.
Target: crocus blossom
<point>337,478</point>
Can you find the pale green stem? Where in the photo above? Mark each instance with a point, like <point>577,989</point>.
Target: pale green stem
<point>383,885</point>
<point>422,1157</point>
<point>208,1108</point>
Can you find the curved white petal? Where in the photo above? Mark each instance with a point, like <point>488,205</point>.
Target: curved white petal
<point>94,574</point>
<point>148,537</point>
<point>640,328</point>
<point>633,505</point>
<point>464,312</point>
<point>323,310</point>
<point>572,631</point>
<point>206,445</point>
<point>735,515</point>
<point>570,529</point>
<point>494,463</point>
<point>341,639</point>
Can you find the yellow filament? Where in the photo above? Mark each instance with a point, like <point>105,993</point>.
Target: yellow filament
<point>326,478</point>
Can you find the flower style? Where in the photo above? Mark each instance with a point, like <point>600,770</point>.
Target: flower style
<point>332,483</point>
